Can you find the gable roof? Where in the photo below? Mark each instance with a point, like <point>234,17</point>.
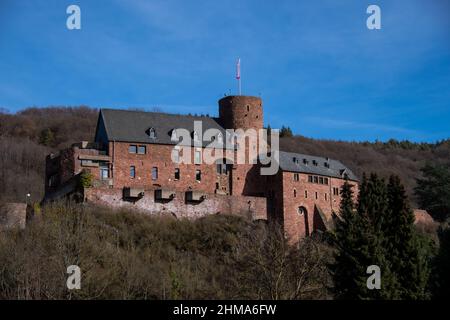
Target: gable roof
<point>334,169</point>
<point>134,126</point>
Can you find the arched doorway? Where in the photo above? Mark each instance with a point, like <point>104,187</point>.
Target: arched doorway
<point>303,212</point>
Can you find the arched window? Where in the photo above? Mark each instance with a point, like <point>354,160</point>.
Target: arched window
<point>295,193</point>
<point>301,210</point>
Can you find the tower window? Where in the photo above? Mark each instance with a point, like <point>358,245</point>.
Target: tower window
<point>295,193</point>
<point>317,196</point>
<point>248,108</point>
<point>306,194</point>
<point>198,175</point>
<point>132,172</point>
<point>177,174</point>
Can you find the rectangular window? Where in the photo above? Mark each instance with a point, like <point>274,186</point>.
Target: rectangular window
<point>335,191</point>
<point>142,150</point>
<point>325,181</point>
<point>321,180</point>
<point>177,174</point>
<point>154,173</point>
<point>132,148</point>
<point>87,163</point>
<point>326,197</point>
<point>316,179</point>
<point>198,157</point>
<point>198,175</point>
<point>296,177</point>
<point>310,179</point>
<point>317,196</point>
<point>104,172</point>
<point>52,181</point>
<point>306,193</point>
<point>132,172</point>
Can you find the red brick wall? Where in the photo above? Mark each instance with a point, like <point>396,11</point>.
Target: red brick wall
<point>241,112</point>
<point>297,226</point>
<point>160,156</point>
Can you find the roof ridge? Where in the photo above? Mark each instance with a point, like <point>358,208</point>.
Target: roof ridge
<point>158,112</point>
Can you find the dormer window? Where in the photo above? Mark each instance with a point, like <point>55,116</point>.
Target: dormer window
<point>315,162</point>
<point>152,133</point>
<point>326,164</point>
<point>174,136</point>
<point>195,136</point>
<point>305,161</point>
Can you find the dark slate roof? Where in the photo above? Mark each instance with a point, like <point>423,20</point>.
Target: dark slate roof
<point>133,126</point>
<point>336,168</point>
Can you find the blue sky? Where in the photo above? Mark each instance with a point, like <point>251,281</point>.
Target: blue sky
<point>316,65</point>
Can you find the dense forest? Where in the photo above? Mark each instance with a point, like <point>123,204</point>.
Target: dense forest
<point>27,136</point>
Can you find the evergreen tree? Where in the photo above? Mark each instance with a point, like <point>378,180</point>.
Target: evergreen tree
<point>346,269</point>
<point>286,132</point>
<point>360,243</point>
<point>433,191</point>
<point>373,212</point>
<point>47,137</point>
<point>403,244</point>
<point>442,266</point>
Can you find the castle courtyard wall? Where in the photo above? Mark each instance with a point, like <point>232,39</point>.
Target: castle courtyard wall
<point>253,207</point>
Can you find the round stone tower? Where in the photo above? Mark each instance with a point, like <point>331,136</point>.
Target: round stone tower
<point>241,112</point>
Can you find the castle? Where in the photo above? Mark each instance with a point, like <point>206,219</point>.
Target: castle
<point>134,162</point>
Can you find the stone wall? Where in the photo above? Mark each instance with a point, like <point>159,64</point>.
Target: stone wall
<point>254,207</point>
<point>13,215</point>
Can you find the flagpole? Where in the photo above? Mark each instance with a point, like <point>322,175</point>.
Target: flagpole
<point>239,82</point>
<point>238,74</point>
